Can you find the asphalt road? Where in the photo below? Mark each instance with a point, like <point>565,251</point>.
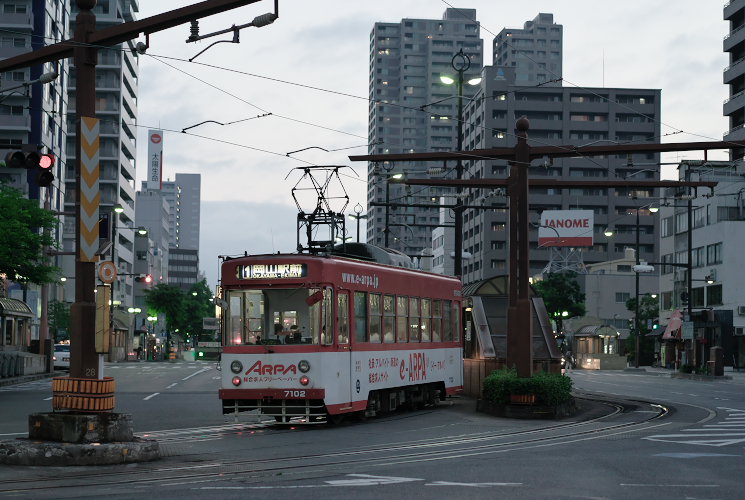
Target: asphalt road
<point>639,436</point>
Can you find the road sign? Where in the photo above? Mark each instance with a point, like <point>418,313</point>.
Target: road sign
<point>209,324</point>
<point>107,271</point>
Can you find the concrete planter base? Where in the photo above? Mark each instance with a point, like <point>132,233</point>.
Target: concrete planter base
<point>562,410</point>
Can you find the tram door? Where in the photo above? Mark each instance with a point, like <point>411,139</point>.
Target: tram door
<point>342,341</point>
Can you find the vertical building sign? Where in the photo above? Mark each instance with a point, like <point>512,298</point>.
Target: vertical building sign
<point>154,159</point>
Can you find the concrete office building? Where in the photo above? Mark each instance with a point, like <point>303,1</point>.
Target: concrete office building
<point>116,108</point>
<point>734,75</point>
<point>717,271</point>
<point>184,199</point>
<point>33,114</point>
<point>411,110</point>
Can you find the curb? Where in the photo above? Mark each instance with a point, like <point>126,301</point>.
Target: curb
<point>55,453</point>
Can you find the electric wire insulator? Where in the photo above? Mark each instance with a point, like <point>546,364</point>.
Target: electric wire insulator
<point>194,30</point>
<point>264,19</point>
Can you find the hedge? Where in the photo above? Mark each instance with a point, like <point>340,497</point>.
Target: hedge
<point>549,388</point>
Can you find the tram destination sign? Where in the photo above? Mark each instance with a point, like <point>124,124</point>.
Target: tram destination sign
<point>271,271</point>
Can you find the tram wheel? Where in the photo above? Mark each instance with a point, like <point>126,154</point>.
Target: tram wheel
<point>335,419</point>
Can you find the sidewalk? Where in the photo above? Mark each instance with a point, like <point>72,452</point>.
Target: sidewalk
<point>729,373</point>
<point>30,378</point>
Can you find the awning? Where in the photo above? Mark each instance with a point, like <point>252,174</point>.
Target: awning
<point>674,326</point>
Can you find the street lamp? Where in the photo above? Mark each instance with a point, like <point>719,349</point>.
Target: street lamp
<point>637,269</point>
<point>43,79</point>
<point>358,215</point>
<point>460,63</point>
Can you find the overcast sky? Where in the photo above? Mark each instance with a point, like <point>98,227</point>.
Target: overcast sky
<point>247,177</point>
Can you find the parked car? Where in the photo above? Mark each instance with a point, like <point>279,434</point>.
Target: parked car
<point>61,356</point>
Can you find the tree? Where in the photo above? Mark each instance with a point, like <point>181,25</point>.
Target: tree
<point>169,300</point>
<point>648,311</point>
<point>561,294</point>
<point>25,233</point>
<point>197,308</point>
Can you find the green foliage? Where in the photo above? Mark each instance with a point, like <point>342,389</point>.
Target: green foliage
<point>561,292</point>
<point>197,307</point>
<point>184,311</point>
<point>549,388</point>
<point>166,299</point>
<point>59,319</point>
<point>25,231</point>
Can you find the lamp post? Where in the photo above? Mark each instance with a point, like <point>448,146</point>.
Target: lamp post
<point>637,323</point>
<point>387,229</point>
<point>460,63</point>
<point>358,215</point>
<point>118,209</point>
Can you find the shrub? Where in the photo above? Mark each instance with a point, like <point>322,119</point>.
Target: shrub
<point>549,388</point>
<point>686,368</point>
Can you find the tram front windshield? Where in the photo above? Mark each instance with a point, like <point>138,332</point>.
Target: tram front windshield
<point>278,316</point>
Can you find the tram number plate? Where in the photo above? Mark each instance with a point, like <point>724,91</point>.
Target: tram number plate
<point>294,394</point>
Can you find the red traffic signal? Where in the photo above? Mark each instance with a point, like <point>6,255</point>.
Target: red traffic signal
<point>45,177</point>
<point>147,278</point>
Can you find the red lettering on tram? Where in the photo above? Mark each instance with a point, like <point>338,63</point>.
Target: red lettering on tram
<point>266,369</point>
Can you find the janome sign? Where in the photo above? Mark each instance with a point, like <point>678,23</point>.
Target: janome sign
<point>566,228</point>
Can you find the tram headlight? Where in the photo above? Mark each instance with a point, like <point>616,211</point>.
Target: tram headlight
<point>303,366</point>
<point>304,380</point>
<point>236,366</point>
<point>236,381</point>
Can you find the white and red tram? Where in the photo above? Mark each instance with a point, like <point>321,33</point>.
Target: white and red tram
<point>323,336</point>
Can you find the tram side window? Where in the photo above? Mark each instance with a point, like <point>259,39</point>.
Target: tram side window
<point>426,321</point>
<point>456,322</point>
<point>327,324</point>
<point>375,319</point>
<point>360,317</point>
<point>447,325</point>
<point>414,332</point>
<point>235,336</point>
<point>389,319</point>
<point>402,322</point>
<point>436,321</point>
<point>342,302</point>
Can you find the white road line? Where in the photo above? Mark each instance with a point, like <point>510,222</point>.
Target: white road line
<point>196,373</point>
<point>172,385</point>
<point>48,399</point>
<point>151,396</point>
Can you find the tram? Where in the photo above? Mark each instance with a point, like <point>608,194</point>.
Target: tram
<point>312,338</point>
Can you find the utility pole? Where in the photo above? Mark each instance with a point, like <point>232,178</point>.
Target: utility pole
<point>85,363</point>
<point>519,332</point>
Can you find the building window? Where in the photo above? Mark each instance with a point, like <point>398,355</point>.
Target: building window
<point>714,253</point>
<point>622,297</point>
<point>714,295</point>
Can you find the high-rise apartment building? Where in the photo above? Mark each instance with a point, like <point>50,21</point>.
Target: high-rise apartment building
<point>412,110</point>
<point>184,197</point>
<point>534,51</point>
<point>33,114</point>
<point>734,75</point>
<point>116,108</point>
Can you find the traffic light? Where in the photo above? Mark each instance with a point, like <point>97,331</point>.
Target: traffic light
<point>29,159</point>
<point>655,324</point>
<point>145,278</point>
<point>45,177</point>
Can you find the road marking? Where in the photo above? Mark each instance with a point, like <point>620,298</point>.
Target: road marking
<point>693,455</point>
<point>370,480</point>
<point>634,485</point>
<point>172,385</point>
<point>48,399</point>
<point>196,373</point>
<point>151,396</point>
<point>471,485</point>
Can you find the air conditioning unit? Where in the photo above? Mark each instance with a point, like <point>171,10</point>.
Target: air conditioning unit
<point>741,310</point>
<point>740,331</point>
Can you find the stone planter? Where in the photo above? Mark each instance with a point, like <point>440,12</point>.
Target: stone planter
<point>523,410</point>
<point>522,399</point>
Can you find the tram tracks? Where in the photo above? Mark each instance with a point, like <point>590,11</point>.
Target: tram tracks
<point>621,418</point>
